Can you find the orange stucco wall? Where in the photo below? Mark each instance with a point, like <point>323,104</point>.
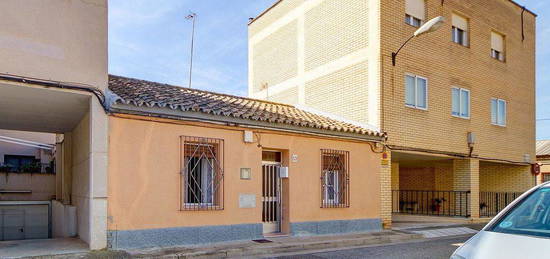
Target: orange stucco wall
<point>144,176</point>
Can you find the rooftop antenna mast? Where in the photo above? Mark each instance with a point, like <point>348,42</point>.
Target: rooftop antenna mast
<point>192,16</point>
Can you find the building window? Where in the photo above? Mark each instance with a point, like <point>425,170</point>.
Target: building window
<point>545,177</point>
<point>460,30</point>
<point>498,112</point>
<point>416,92</point>
<point>460,102</point>
<point>17,163</point>
<point>415,12</point>
<point>202,173</point>
<point>497,46</point>
<point>334,179</point>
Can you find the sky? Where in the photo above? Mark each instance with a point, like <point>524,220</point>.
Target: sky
<point>151,40</point>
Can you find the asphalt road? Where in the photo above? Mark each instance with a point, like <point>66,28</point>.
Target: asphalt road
<point>427,248</point>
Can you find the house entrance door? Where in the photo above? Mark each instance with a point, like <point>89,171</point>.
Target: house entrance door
<point>271,198</point>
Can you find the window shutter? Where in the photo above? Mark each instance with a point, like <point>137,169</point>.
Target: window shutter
<point>415,8</point>
<point>460,22</point>
<point>497,42</point>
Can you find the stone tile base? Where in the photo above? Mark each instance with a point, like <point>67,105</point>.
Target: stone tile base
<point>166,237</point>
<point>335,227</point>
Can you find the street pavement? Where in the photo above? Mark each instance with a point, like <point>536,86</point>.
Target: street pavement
<point>426,248</point>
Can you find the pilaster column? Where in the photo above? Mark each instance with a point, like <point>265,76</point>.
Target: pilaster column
<point>385,189</point>
<point>466,178</point>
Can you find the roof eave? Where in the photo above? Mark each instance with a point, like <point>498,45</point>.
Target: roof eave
<point>279,1</point>
<point>239,122</point>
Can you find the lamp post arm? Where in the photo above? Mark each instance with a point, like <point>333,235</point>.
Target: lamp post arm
<point>394,54</point>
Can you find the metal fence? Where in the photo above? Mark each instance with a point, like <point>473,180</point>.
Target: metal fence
<point>491,203</point>
<point>432,203</point>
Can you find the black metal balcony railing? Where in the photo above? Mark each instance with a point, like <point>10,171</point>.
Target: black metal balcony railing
<point>432,203</point>
<point>491,203</point>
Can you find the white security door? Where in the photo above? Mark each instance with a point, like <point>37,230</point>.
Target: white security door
<point>271,198</point>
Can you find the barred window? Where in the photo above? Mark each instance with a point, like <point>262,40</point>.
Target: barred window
<point>202,173</point>
<point>334,179</point>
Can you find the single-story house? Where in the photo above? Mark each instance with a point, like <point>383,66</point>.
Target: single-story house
<point>187,166</point>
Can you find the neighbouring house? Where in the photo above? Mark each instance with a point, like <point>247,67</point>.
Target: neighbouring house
<point>188,166</point>
<point>27,166</point>
<point>543,158</point>
<point>53,63</point>
<point>458,106</point>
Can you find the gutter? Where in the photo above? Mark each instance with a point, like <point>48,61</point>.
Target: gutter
<point>58,84</point>
<point>244,123</point>
<point>453,154</point>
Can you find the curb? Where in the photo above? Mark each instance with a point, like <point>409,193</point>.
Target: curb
<point>278,248</point>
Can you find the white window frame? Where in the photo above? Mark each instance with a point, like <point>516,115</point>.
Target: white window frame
<point>499,55</point>
<point>460,102</point>
<point>465,40</point>
<point>410,19</point>
<point>415,106</point>
<point>335,185</point>
<point>204,193</point>
<point>497,112</point>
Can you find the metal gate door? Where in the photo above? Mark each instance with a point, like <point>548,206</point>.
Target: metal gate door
<point>24,220</point>
<point>271,198</point>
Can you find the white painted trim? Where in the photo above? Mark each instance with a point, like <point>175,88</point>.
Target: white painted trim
<point>301,60</point>
<point>338,118</point>
<point>329,68</point>
<point>288,18</point>
<point>373,54</point>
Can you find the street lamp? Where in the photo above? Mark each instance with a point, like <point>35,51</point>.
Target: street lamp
<point>431,26</point>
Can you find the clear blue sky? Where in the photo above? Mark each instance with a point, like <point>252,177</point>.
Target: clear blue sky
<point>150,40</point>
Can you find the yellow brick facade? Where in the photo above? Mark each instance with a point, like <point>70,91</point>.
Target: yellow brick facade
<point>446,64</point>
<point>343,67</point>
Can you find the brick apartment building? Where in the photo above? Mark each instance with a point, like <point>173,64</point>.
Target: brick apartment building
<point>458,106</point>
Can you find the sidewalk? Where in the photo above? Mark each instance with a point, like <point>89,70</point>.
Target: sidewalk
<point>277,245</point>
<point>266,247</point>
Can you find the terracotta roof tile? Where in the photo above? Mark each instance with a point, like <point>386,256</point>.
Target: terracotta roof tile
<point>543,148</point>
<point>150,94</point>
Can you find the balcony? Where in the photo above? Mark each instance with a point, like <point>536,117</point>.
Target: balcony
<point>449,203</point>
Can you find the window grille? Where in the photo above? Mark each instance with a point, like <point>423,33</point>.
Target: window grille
<point>334,179</point>
<point>202,173</point>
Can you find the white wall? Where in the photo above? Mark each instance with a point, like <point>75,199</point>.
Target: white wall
<point>89,176</point>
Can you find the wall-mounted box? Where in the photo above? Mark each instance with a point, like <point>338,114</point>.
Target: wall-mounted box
<point>283,172</point>
<point>246,173</point>
<point>248,136</point>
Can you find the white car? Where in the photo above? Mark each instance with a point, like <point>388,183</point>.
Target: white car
<point>521,230</point>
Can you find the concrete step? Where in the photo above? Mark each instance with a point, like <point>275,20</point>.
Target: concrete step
<point>277,246</point>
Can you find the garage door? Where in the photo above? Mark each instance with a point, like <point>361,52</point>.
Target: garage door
<point>24,221</point>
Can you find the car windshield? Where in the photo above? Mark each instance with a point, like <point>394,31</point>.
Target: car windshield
<point>529,217</point>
